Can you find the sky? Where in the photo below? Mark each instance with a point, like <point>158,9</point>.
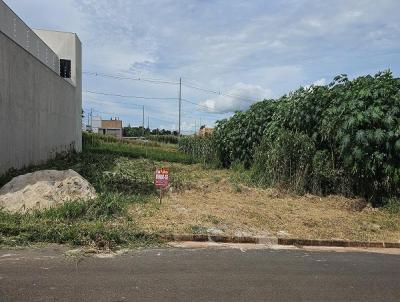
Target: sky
<point>236,52</point>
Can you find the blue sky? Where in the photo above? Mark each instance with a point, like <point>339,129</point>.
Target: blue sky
<point>256,49</point>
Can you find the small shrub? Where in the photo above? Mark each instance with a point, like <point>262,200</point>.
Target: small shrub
<point>392,205</point>
<point>284,160</point>
<point>325,178</point>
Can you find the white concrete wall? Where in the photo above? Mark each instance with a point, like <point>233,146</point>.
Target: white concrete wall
<point>40,112</point>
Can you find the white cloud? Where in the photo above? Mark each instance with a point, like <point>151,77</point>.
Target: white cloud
<point>277,44</point>
<point>239,97</point>
<point>320,82</point>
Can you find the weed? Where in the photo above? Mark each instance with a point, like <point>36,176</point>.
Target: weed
<point>213,219</point>
<point>216,179</point>
<point>392,206</point>
<point>237,188</point>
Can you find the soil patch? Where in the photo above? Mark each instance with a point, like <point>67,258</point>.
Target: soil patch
<point>233,209</point>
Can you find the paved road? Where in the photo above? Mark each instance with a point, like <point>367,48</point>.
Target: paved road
<point>174,274</point>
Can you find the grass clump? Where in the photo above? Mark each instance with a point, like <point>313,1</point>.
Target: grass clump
<point>392,206</point>
<point>100,222</point>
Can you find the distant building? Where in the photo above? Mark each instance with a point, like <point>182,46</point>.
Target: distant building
<point>111,127</point>
<point>205,131</point>
<point>96,123</point>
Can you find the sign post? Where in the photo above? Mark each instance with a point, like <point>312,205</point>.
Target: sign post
<point>161,179</point>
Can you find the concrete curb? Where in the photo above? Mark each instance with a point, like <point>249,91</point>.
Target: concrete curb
<point>337,243</point>
<point>275,240</point>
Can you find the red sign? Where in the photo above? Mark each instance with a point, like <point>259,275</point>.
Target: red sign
<point>161,178</point>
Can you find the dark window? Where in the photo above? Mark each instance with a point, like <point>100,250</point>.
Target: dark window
<point>65,68</point>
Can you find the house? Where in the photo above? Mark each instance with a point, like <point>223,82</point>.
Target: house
<point>111,127</point>
<point>205,131</point>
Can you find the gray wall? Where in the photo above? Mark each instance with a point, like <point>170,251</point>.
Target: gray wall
<point>40,112</point>
<point>68,46</point>
<point>17,30</point>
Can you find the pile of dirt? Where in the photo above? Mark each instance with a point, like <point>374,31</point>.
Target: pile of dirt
<point>44,189</point>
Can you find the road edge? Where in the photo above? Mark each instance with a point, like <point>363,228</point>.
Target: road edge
<point>278,241</point>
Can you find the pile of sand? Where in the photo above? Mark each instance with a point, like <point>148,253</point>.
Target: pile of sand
<point>44,189</point>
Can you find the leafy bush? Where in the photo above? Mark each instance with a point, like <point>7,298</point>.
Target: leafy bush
<point>353,126</point>
<point>236,138</point>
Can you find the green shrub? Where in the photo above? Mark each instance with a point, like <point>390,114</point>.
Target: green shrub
<point>236,138</point>
<point>325,178</point>
<point>354,127</point>
<point>284,159</point>
<point>392,205</point>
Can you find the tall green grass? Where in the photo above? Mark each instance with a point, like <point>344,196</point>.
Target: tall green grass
<point>95,143</point>
<point>138,151</point>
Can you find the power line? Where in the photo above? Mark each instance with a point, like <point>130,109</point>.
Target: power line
<point>186,84</point>
<point>151,98</point>
<point>161,120</point>
<point>138,105</point>
<point>107,113</point>
<point>118,77</point>
<point>209,108</point>
<point>240,97</point>
<point>129,96</point>
<point>104,101</point>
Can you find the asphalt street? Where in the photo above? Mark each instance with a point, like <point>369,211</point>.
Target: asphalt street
<point>197,274</point>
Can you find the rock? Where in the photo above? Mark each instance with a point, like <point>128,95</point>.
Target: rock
<point>198,229</point>
<point>283,234</point>
<point>44,189</point>
<point>240,233</point>
<point>214,231</point>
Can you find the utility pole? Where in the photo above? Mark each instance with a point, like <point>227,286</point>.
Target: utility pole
<point>180,102</point>
<point>148,123</point>
<point>143,122</point>
<point>195,127</point>
<point>91,119</point>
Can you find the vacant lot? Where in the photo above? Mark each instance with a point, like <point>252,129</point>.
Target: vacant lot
<point>222,206</point>
<point>200,200</point>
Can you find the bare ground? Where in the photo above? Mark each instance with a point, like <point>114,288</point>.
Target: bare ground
<point>221,206</point>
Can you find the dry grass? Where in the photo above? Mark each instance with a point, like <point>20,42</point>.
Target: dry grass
<point>218,205</point>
